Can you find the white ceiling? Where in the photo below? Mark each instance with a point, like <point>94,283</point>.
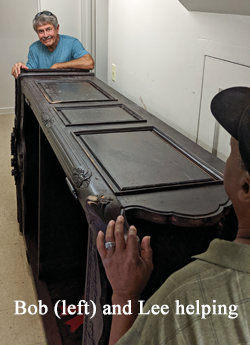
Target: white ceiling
<point>240,7</point>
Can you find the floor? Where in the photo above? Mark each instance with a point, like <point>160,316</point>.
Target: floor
<point>16,282</point>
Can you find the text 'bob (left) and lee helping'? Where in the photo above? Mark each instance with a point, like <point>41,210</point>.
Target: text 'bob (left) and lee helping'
<point>83,308</point>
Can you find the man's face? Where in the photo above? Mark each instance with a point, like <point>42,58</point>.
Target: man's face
<point>233,172</point>
<point>47,34</point>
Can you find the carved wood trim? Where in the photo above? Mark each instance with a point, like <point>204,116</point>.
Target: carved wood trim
<point>91,288</point>
<point>81,178</point>
<point>47,120</point>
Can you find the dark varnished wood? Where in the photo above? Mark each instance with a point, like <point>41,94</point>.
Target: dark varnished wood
<point>76,91</point>
<point>97,115</point>
<point>125,157</point>
<point>117,159</point>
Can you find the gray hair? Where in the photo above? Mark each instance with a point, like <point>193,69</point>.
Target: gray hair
<point>44,19</point>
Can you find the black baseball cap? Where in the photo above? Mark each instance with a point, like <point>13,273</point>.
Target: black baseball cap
<point>231,108</point>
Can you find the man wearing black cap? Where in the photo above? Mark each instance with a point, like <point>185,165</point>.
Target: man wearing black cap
<point>208,301</point>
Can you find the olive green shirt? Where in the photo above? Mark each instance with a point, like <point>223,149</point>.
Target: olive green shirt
<point>220,276</point>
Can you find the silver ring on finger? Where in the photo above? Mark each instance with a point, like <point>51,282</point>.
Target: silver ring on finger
<point>109,245</point>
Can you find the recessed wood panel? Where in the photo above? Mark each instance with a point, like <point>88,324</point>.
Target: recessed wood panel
<point>75,91</point>
<point>136,159</point>
<point>96,115</point>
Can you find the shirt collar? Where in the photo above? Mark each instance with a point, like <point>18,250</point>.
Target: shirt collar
<point>227,254</point>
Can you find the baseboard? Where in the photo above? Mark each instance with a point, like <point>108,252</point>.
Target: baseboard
<point>8,110</point>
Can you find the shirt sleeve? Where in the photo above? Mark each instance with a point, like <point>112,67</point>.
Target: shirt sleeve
<point>78,50</point>
<point>32,61</point>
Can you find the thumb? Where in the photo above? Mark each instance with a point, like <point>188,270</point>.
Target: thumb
<point>146,250</point>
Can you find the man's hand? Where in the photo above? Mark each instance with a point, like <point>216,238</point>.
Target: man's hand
<point>16,69</point>
<point>127,270</point>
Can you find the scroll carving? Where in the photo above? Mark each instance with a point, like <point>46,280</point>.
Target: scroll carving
<point>98,209</point>
<point>47,120</point>
<point>81,178</point>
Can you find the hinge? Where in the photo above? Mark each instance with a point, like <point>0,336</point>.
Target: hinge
<point>27,101</point>
<point>71,188</point>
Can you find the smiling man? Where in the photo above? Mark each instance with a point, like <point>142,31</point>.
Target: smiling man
<point>53,50</point>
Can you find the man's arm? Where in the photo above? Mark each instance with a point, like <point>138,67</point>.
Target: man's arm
<point>127,270</point>
<point>84,62</point>
<point>16,69</point>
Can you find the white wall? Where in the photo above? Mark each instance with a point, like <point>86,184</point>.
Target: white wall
<point>68,14</point>
<point>16,34</point>
<point>95,34</point>
<point>101,58</point>
<point>159,50</point>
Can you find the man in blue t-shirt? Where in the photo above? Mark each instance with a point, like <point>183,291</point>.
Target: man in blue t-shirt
<point>53,50</point>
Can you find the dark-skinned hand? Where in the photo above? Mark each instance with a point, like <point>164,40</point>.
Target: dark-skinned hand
<point>127,268</point>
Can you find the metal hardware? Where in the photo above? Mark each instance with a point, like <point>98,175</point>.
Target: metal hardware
<point>71,188</point>
<point>27,101</point>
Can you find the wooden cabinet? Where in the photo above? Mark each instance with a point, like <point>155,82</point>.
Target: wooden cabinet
<point>83,154</point>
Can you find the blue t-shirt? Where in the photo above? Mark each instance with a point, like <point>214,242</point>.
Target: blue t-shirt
<point>67,49</point>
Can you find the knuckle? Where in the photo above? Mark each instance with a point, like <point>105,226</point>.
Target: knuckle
<point>109,238</point>
<point>118,234</point>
